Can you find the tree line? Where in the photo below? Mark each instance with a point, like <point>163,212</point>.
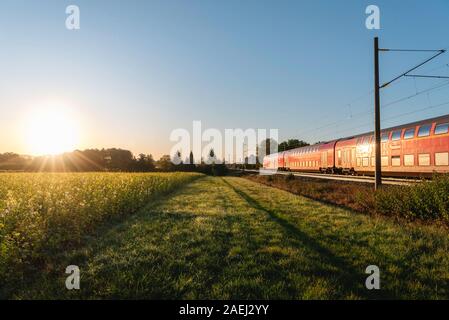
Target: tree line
<point>116,159</point>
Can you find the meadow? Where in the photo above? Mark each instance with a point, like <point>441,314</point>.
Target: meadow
<point>43,213</point>
<point>210,238</point>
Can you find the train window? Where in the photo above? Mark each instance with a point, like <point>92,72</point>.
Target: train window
<point>442,159</point>
<point>424,159</point>
<point>409,133</point>
<point>358,162</point>
<point>424,130</point>
<point>365,162</point>
<point>396,135</point>
<point>384,161</point>
<point>384,137</point>
<point>396,161</point>
<point>409,160</point>
<point>442,128</point>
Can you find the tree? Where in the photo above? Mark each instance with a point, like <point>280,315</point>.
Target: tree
<point>177,160</point>
<point>150,163</point>
<point>291,144</point>
<point>165,163</point>
<point>211,159</point>
<point>266,146</point>
<point>144,163</point>
<point>121,160</point>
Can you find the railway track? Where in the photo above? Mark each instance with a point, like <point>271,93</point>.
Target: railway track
<point>360,179</point>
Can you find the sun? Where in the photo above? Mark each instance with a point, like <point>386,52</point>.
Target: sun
<point>51,131</point>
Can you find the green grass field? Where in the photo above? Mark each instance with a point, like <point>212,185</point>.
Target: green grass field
<point>223,238</point>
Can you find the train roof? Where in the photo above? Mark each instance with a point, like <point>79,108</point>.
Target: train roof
<point>402,126</point>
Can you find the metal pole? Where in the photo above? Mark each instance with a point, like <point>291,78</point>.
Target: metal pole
<point>378,173</point>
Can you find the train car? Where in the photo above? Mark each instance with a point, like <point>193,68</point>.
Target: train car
<point>416,149</point>
<point>327,157</point>
<point>304,159</point>
<point>315,158</point>
<point>274,161</point>
<point>351,151</point>
<point>269,161</point>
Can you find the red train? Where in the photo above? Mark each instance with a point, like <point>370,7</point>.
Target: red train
<point>416,149</point>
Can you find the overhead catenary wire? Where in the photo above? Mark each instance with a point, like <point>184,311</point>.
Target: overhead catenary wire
<point>414,68</point>
<point>338,121</point>
<point>366,111</point>
<point>424,76</point>
<point>391,118</point>
<point>417,93</point>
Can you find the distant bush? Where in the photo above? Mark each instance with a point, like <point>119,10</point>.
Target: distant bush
<point>289,177</point>
<point>426,200</point>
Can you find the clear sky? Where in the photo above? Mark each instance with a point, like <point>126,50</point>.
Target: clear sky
<point>136,70</point>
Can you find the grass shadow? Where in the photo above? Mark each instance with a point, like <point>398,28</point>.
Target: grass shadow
<point>352,279</point>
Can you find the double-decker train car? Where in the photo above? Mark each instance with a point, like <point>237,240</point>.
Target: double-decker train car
<point>274,161</point>
<point>305,158</point>
<point>416,149</point>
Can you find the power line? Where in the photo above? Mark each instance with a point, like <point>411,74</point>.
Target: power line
<point>439,52</point>
<point>364,112</point>
<point>410,50</point>
<point>389,118</point>
<point>367,112</point>
<point>419,110</point>
<point>414,68</point>
<point>424,76</point>
<point>338,121</point>
<point>445,83</point>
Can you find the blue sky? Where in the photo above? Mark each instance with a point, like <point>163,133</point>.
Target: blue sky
<point>139,69</point>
